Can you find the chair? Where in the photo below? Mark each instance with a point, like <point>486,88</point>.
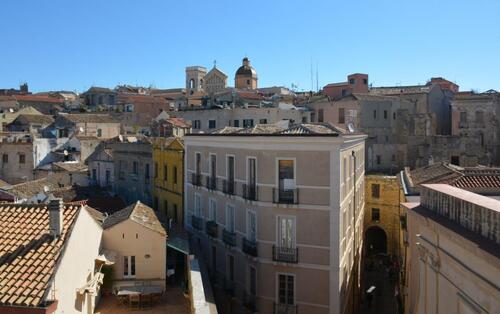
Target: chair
<point>122,299</point>
<point>146,301</point>
<point>135,301</point>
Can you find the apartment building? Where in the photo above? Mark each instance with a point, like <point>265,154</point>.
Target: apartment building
<point>272,211</point>
<point>168,184</point>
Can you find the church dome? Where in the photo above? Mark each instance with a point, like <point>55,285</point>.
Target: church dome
<point>246,69</point>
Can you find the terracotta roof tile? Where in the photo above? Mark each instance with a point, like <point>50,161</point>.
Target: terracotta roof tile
<point>27,252</point>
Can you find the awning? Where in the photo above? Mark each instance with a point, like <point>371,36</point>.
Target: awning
<point>179,244</point>
<point>107,257</point>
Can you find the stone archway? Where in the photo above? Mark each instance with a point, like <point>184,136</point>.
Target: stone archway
<point>375,240</point>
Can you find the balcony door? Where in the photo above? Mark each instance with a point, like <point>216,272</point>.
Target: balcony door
<point>286,292</point>
<point>286,232</point>
<point>230,218</point>
<point>213,166</point>
<point>252,173</point>
<point>251,226</point>
<point>230,168</point>
<point>197,166</point>
<point>197,205</point>
<point>286,180</point>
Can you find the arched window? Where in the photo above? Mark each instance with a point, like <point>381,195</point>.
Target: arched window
<point>191,84</point>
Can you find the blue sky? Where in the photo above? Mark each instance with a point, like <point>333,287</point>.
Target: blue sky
<point>73,45</point>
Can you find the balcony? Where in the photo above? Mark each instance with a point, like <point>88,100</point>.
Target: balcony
<point>211,228</point>
<point>229,237</point>
<point>285,196</point>
<point>197,222</point>
<point>196,179</point>
<point>249,247</point>
<point>285,254</point>
<point>211,183</point>
<point>250,302</point>
<point>249,192</point>
<point>280,308</point>
<point>228,187</point>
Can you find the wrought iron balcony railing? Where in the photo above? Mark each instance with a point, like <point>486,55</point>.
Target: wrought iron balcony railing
<point>197,222</point>
<point>211,183</point>
<point>280,308</point>
<point>228,187</point>
<point>229,237</point>
<point>285,254</point>
<point>196,179</point>
<point>211,228</point>
<point>285,196</point>
<point>249,247</point>
<point>250,192</point>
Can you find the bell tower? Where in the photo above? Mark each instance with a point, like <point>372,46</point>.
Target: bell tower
<point>194,79</point>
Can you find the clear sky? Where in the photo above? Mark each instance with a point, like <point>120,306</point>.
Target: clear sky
<point>72,45</point>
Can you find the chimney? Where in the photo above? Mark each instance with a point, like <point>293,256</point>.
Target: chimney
<point>56,208</point>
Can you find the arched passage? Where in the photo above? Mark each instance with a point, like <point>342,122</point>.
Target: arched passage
<point>375,240</point>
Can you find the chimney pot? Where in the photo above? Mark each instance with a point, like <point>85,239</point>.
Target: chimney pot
<point>56,208</point>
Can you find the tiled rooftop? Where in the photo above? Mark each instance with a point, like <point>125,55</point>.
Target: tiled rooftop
<point>138,212</point>
<point>27,253</point>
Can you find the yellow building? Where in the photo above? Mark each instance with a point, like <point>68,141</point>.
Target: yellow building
<point>382,214</point>
<point>168,187</point>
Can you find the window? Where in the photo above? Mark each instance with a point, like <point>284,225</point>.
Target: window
<point>248,82</point>
<point>122,165</point>
<point>393,157</point>
<point>197,205</point>
<point>385,114</point>
<point>455,160</point>
<point>463,116</point>
<point>263,121</point>
<point>379,159</point>
<point>286,289</point>
<point>135,167</point>
<point>165,172</point>
<point>286,183</point>
<point>374,114</point>
<point>375,214</point>
<point>175,213</point>
<point>5,158</point>
<point>230,218</point>
<point>251,226</point>
<point>252,282</point>
<point>212,210</point>
<point>252,172</point>
<point>247,123</point>
<point>175,174</point>
<point>479,117</point>
<point>230,267</point>
<point>365,81</point>
<point>108,176</point>
<point>129,266</point>
<point>146,172</point>
<point>155,203</point>
<point>341,115</point>
<point>286,232</point>
<point>212,124</point>
<point>99,132</point>
<point>352,81</point>
<point>321,116</point>
<point>230,169</point>
<point>94,174</point>
<point>344,92</point>
<point>22,158</point>
<point>237,123</point>
<point>394,115</point>
<point>197,164</point>
<point>156,170</point>
<point>213,167</point>
<point>196,124</point>
<point>375,190</point>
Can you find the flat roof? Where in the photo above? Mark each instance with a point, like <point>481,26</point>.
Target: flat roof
<point>480,200</point>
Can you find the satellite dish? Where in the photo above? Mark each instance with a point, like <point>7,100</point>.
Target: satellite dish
<point>65,153</point>
<point>81,129</point>
<point>45,188</point>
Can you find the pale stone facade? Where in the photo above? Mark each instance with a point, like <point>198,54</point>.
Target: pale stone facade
<point>236,214</point>
<point>453,252</point>
<point>215,81</point>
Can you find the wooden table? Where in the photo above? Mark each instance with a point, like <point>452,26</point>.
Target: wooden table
<point>140,290</point>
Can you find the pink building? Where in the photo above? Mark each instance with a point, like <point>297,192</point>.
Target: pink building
<point>356,83</point>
